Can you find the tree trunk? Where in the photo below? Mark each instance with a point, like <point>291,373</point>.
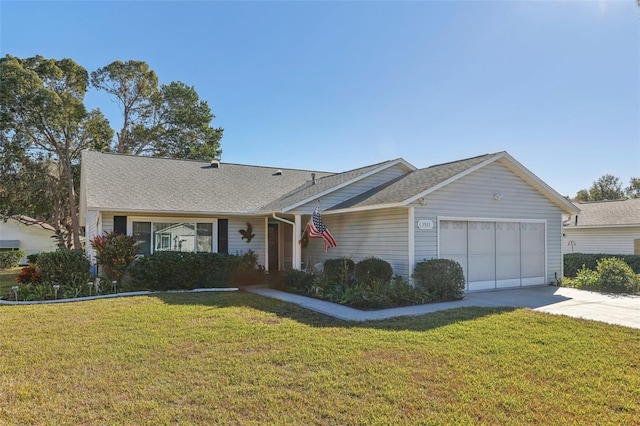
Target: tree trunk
<point>73,212</point>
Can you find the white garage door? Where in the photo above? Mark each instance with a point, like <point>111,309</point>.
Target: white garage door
<point>495,254</point>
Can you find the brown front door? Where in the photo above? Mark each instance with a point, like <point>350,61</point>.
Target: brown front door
<point>273,247</point>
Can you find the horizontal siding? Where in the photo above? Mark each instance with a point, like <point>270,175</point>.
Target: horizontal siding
<point>380,233</point>
<point>239,246</point>
<point>472,196</point>
<point>600,240</point>
<point>350,191</point>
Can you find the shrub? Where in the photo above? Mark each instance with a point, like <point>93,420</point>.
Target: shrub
<point>585,279</point>
<point>10,258</point>
<point>574,261</point>
<point>442,278</point>
<point>115,254</point>
<point>28,275</point>
<point>68,268</point>
<point>616,276</point>
<point>298,282</point>
<point>166,270</point>
<point>339,271</point>
<point>373,270</point>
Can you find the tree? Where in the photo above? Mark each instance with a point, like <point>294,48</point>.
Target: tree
<point>607,187</point>
<point>41,108</point>
<point>582,195</point>
<point>633,190</point>
<point>133,85</point>
<point>170,121</point>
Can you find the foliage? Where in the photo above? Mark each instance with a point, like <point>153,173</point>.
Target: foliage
<point>166,121</point>
<point>371,294</point>
<point>297,281</point>
<point>42,107</point>
<point>633,190</point>
<point>165,270</point>
<point>115,254</point>
<point>372,270</point>
<point>574,261</point>
<point>28,187</point>
<point>607,187</point>
<point>610,275</point>
<point>616,276</point>
<point>442,278</point>
<point>10,258</point>
<point>68,268</point>
<point>28,275</point>
<point>340,271</point>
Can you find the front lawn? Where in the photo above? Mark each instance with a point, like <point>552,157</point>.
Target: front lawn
<point>8,279</point>
<point>241,359</point>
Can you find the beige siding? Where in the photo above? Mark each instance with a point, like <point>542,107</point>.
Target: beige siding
<point>472,196</point>
<point>353,190</point>
<point>600,240</point>
<point>379,233</point>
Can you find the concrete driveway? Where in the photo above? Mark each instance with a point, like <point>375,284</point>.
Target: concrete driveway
<point>614,309</point>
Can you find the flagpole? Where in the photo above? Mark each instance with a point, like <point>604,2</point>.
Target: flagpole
<point>303,231</point>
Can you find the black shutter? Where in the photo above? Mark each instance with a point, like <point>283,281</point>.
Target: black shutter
<point>223,236</point>
<point>120,225</point>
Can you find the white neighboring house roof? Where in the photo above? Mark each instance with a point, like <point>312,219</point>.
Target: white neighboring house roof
<point>606,214</point>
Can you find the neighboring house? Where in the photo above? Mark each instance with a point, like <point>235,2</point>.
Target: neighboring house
<point>611,227</point>
<point>27,234</point>
<point>489,213</point>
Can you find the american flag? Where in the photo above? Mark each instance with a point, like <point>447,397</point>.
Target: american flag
<point>318,230</point>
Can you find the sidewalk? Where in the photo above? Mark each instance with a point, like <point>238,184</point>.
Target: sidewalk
<point>614,309</point>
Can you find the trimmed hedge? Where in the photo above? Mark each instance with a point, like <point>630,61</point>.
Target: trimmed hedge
<point>573,262</point>
<point>10,258</point>
<point>340,271</point>
<point>443,278</point>
<point>166,270</point>
<point>373,270</point>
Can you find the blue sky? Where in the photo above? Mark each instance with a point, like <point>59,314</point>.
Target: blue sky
<point>339,85</point>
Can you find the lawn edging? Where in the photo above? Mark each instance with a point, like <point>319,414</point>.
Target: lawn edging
<point>109,296</point>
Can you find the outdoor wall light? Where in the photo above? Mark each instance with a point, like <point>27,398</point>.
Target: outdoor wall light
<point>497,196</point>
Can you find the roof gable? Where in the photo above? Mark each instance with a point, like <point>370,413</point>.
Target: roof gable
<point>310,192</point>
<point>422,182</point>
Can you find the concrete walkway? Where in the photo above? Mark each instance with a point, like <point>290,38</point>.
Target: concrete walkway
<point>614,309</point>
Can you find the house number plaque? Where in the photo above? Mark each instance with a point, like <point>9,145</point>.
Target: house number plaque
<point>425,224</point>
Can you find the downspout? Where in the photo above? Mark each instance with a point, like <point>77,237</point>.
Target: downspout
<point>296,251</point>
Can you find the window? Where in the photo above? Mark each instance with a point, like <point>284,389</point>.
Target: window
<point>173,236</point>
<point>142,234</point>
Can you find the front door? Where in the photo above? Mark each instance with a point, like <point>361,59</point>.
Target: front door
<point>273,247</point>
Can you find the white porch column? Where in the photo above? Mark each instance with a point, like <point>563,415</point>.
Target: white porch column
<point>297,246</point>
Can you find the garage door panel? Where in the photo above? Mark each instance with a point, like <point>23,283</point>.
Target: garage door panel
<point>496,254</point>
<point>482,272</point>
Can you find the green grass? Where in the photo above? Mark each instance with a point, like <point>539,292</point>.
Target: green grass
<point>241,359</point>
<point>7,279</point>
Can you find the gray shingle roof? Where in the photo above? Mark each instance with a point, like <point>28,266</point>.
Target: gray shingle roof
<point>607,213</point>
<point>308,190</point>
<point>407,186</point>
<point>130,183</point>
